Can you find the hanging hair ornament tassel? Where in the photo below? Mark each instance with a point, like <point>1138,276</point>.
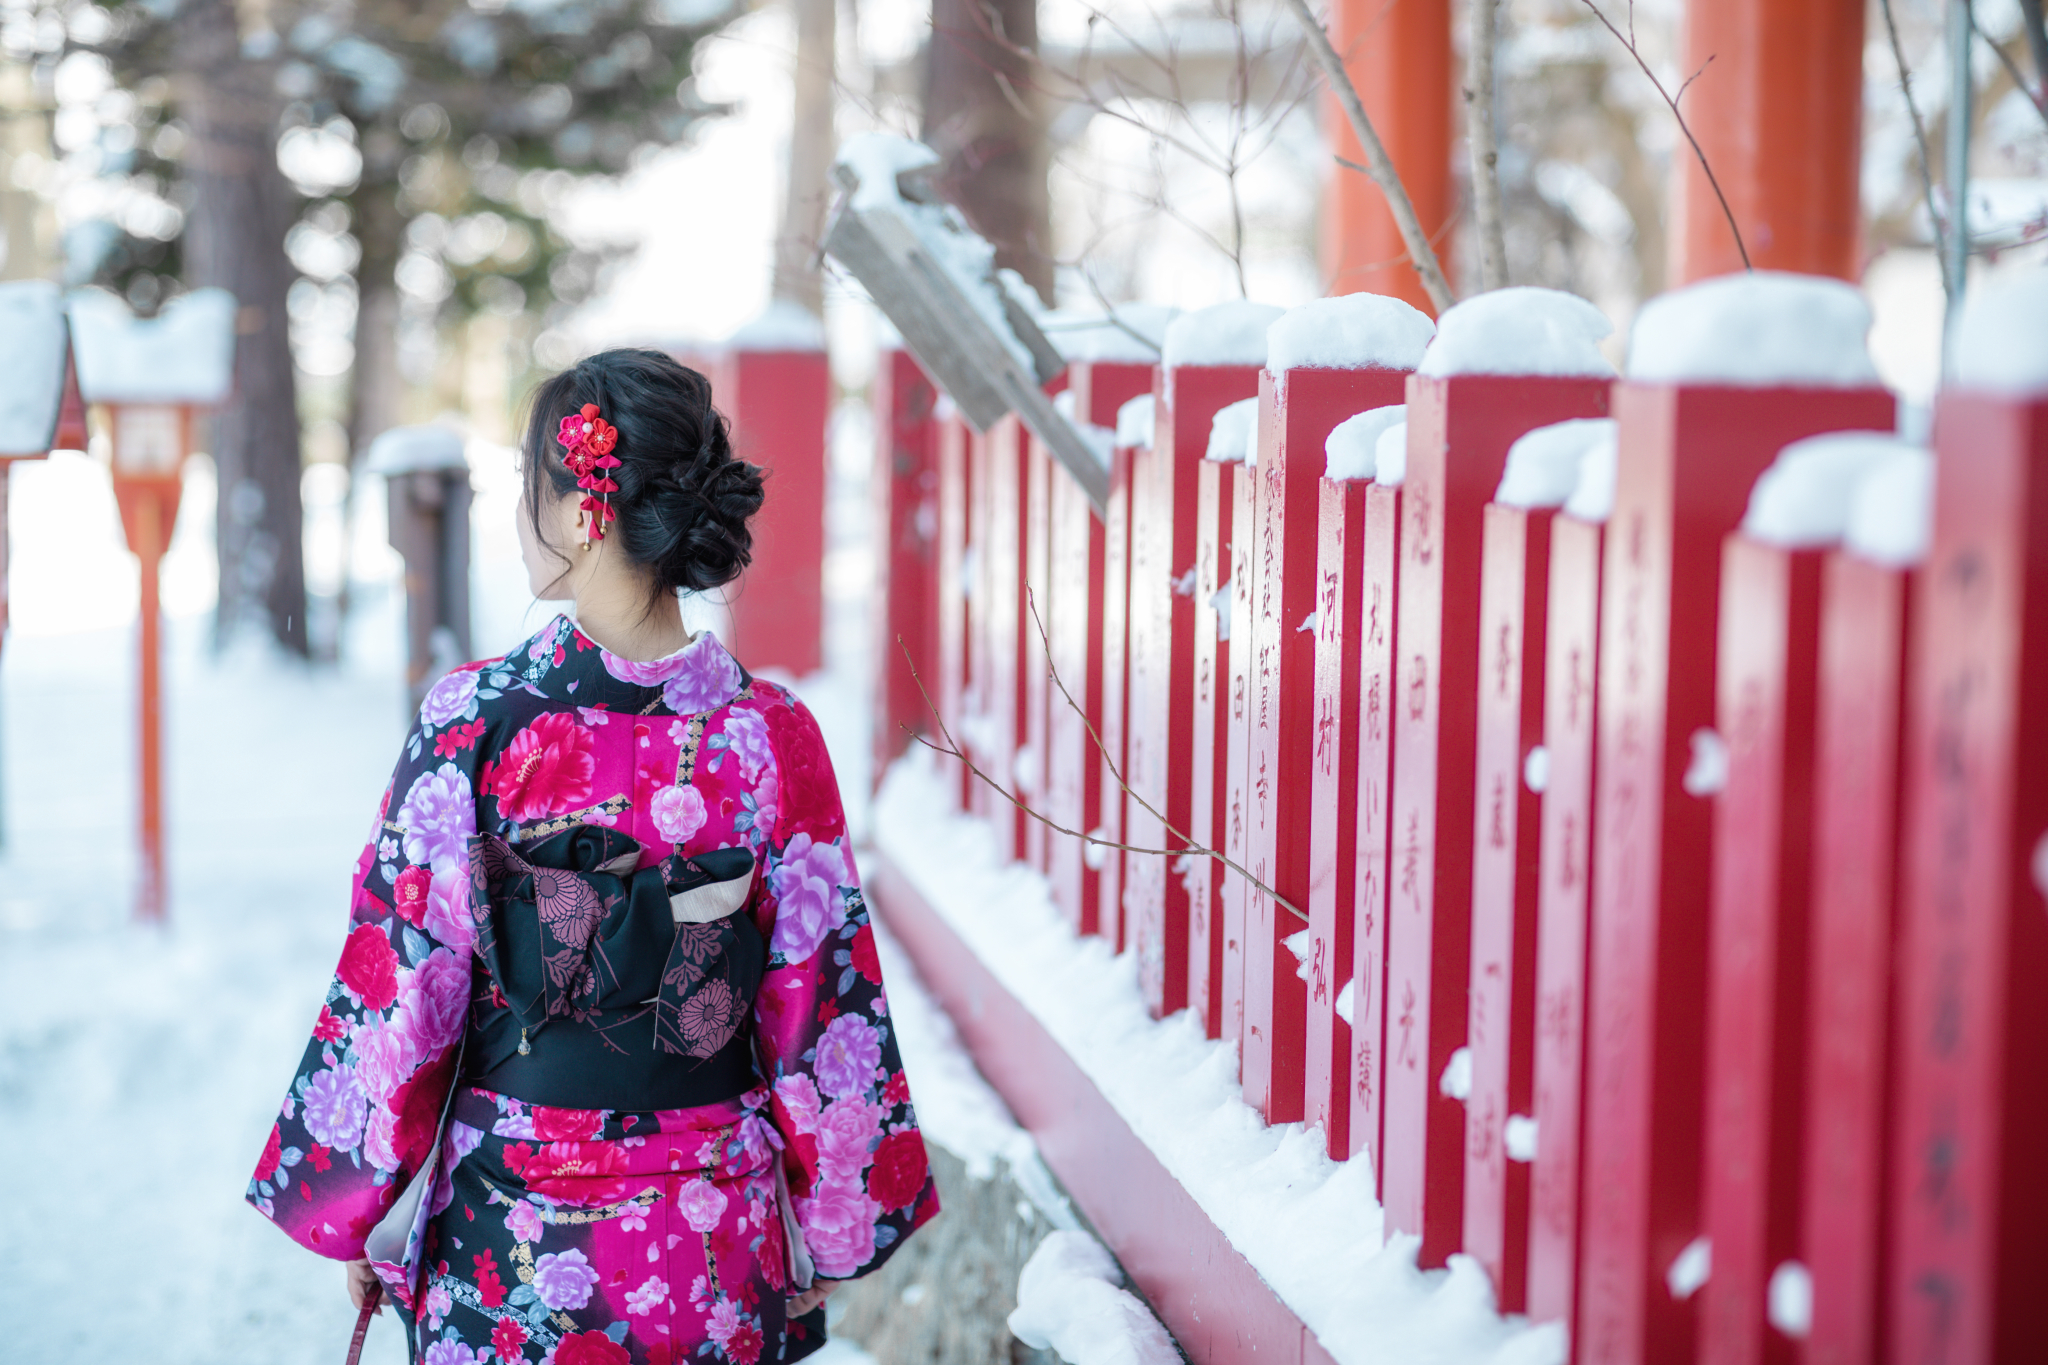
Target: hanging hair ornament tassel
<point>589,441</point>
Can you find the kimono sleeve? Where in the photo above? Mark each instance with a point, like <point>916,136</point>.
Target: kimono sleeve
<point>858,1176</point>
<point>362,1111</point>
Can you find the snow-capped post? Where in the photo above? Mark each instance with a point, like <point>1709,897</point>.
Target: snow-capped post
<point>1541,474</point>
<point>1324,361</point>
<point>1210,359</point>
<point>1968,1201</point>
<point>35,355</point>
<point>1571,630</point>
<point>1722,375</point>
<point>906,508</point>
<point>956,567</point>
<point>1216,939</point>
<point>1106,370</point>
<point>1012,643</point>
<point>1502,364</point>
<point>1767,693</point>
<point>1850,1050</point>
<point>1033,684</point>
<point>426,482</point>
<point>1134,433</point>
<point>775,383</point>
<point>150,378</point>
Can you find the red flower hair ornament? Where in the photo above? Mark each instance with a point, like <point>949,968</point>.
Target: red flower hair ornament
<point>589,441</point>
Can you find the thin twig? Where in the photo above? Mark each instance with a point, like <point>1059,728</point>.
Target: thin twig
<point>1934,214</point>
<point>1378,164</point>
<point>1628,42</point>
<point>2012,69</point>
<point>1487,214</point>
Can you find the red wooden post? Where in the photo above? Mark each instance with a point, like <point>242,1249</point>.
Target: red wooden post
<point>1379,568</point>
<point>977,721</point>
<point>1333,806</point>
<point>1162,719</point>
<point>907,515</point>
<point>1234,804</point>
<point>1459,431</point>
<point>779,401</point>
<point>1297,411</point>
<point>1009,626</point>
<point>1688,455</point>
<point>1570,658</point>
<point>1035,649</point>
<point>1849,1035</point>
<point>1969,1190</point>
<point>1215,501</point>
<point>956,501</point>
<point>1116,677</point>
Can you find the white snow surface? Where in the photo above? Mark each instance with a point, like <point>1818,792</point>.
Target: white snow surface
<point>32,359</point>
<point>1706,769</point>
<point>1518,1137</point>
<point>1069,1301</point>
<point>1891,516</point>
<point>1108,336</point>
<point>405,450</point>
<point>1536,769</point>
<point>1691,1268</point>
<point>1521,330</point>
<point>1234,433</point>
<point>1789,1299</point>
<point>1349,332</point>
<point>1592,497</point>
<point>1543,465</point>
<point>1456,1082</point>
<point>2002,337</point>
<point>784,325</point>
<point>1768,329</point>
<point>876,159</point>
<point>1310,1226</point>
<point>1136,421</point>
<point>1232,333</point>
<point>1351,451</point>
<point>1803,500</point>
<point>1390,455</point>
<point>185,354</point>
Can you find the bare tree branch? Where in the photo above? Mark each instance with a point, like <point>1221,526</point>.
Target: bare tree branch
<point>2040,101</point>
<point>1487,215</point>
<point>1934,214</point>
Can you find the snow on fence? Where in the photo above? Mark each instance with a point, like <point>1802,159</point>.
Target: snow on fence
<point>1638,796</point>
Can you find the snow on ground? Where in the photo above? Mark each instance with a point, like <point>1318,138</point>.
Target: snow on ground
<point>1310,1226</point>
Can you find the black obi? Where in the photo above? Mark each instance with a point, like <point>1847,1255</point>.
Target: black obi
<point>611,988</point>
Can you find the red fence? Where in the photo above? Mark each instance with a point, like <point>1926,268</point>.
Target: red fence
<point>1795,1007</point>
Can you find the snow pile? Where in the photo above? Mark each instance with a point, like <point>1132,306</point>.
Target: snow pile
<point>1762,330</point>
<point>1135,423</point>
<point>1309,1226</point>
<point>1068,1302</point>
<point>1543,465</point>
<point>405,450</point>
<point>2002,337</point>
<point>1592,496</point>
<point>1349,332</point>
<point>1129,333</point>
<point>1231,333</point>
<point>32,358</point>
<point>1390,456</point>
<point>185,354</point>
<point>1352,449</point>
<point>876,159</point>
<point>1101,441</point>
<point>1520,331</point>
<point>1234,433</point>
<point>1802,501</point>
<point>784,325</point>
<point>1891,515</point>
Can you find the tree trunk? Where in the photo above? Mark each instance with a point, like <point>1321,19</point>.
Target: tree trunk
<point>241,208</point>
<point>811,145</point>
<point>982,115</point>
<point>375,385</point>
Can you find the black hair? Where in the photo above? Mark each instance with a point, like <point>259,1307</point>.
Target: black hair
<point>684,497</point>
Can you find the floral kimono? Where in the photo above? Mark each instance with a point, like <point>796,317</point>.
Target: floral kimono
<point>512,1231</point>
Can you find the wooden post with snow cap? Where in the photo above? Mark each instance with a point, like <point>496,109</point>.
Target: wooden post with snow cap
<point>907,494</point>
<point>426,481</point>
<point>955,588</point>
<point>1722,376</point>
<point>1326,361</point>
<point>1969,1192</point>
<point>1210,359</point>
<point>777,387</point>
<point>1509,777</point>
<point>1474,395</point>
<point>1766,711</point>
<point>35,354</point>
<point>1075,620</point>
<point>149,379</point>
<point>1034,684</point>
<point>1850,1048</point>
<point>1215,939</point>
<point>1232,815</point>
<point>1571,621</point>
<point>1134,431</point>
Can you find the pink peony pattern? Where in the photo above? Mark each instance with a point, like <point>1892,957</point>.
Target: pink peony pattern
<point>847,1132</point>
<point>839,1227</point>
<point>701,1203</point>
<point>563,1279</point>
<point>438,817</point>
<point>806,880</point>
<point>678,812</point>
<point>523,1222</point>
<point>447,918</point>
<point>450,699</point>
<point>848,1055</point>
<point>545,770</point>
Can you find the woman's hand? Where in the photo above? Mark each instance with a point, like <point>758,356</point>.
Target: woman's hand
<point>364,1287</point>
<point>820,1290</point>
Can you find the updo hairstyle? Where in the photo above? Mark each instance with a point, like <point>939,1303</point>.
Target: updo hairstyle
<point>684,498</point>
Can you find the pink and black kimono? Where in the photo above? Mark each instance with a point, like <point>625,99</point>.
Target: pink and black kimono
<point>594,878</point>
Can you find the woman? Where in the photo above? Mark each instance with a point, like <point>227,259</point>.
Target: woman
<point>606,1073</point>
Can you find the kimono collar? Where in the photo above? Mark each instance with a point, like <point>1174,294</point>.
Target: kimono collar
<point>701,676</point>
